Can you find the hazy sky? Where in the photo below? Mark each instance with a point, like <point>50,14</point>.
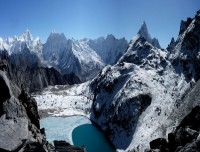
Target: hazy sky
<point>95,18</point>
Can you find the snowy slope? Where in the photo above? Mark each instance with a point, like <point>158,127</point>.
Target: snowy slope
<point>65,100</point>
<point>142,79</point>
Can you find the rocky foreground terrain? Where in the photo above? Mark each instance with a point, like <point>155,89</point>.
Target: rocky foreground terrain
<point>19,122</point>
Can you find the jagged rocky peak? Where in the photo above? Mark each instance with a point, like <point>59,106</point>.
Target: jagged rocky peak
<point>155,43</point>
<point>56,36</point>
<point>186,55</point>
<point>184,25</point>
<point>171,45</point>
<point>56,42</point>
<point>172,41</point>
<point>143,32</point>
<point>110,37</point>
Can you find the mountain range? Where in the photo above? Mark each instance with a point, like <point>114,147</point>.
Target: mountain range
<point>85,57</point>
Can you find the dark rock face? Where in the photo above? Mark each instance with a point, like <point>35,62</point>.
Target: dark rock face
<point>185,138</point>
<point>5,91</point>
<point>71,79</point>
<point>4,87</point>
<point>31,108</point>
<point>19,120</point>
<point>184,25</point>
<point>31,73</point>
<point>172,44</point>
<point>159,143</point>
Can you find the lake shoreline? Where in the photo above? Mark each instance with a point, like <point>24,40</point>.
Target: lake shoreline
<point>48,113</point>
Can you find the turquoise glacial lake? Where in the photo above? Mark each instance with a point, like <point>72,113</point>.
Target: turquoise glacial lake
<point>78,131</point>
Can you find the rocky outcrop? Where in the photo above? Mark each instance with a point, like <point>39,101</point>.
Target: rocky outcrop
<point>185,138</point>
<point>19,119</point>
<point>143,32</point>
<point>185,55</point>
<point>171,45</point>
<point>184,25</point>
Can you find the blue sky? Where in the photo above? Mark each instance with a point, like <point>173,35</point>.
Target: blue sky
<point>95,18</point>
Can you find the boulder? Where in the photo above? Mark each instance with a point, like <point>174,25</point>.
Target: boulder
<point>14,133</point>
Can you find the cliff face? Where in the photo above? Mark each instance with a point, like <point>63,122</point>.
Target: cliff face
<point>19,118</point>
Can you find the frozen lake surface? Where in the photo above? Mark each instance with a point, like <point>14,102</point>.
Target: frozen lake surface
<point>77,130</point>
<point>60,128</point>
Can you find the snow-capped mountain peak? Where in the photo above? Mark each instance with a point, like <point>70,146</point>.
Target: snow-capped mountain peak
<point>3,44</point>
<point>26,36</point>
<point>17,43</point>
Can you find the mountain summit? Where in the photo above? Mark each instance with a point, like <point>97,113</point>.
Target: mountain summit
<point>26,36</point>
<point>143,32</point>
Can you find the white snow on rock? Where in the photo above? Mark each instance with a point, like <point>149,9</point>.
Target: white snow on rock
<point>3,45</point>
<point>65,100</point>
<point>17,44</point>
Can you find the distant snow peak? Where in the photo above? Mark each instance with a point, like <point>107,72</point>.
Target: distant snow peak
<point>26,36</point>
<point>3,44</point>
<point>110,37</point>
<point>56,37</point>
